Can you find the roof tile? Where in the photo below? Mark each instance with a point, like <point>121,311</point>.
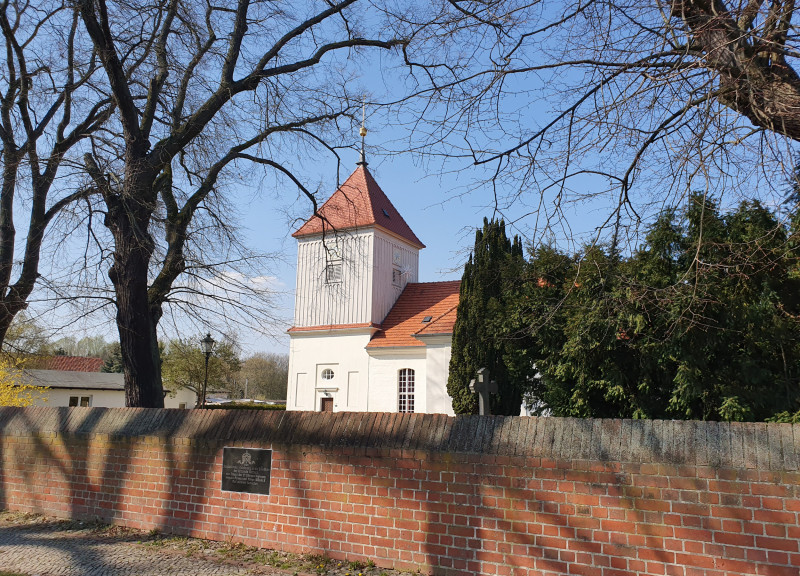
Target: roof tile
<point>65,363</point>
<point>438,300</point>
<point>359,202</point>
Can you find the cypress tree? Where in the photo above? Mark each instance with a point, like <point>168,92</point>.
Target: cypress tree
<point>493,266</point>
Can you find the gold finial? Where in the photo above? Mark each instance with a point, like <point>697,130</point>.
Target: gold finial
<point>363,132</point>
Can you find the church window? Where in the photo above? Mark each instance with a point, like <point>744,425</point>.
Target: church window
<point>327,374</point>
<point>333,272</point>
<point>405,387</point>
<point>397,276</point>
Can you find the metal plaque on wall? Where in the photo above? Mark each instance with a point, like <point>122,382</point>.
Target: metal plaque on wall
<point>246,470</point>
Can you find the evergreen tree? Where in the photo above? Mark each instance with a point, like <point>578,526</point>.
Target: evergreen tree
<point>700,323</point>
<point>493,268</point>
<point>112,359</point>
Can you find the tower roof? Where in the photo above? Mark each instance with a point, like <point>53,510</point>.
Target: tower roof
<point>358,203</point>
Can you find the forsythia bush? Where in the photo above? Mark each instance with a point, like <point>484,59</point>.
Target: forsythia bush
<point>14,391</point>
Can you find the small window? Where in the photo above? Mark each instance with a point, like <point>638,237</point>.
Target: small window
<point>333,249</point>
<point>405,390</point>
<point>73,401</point>
<point>427,319</point>
<point>397,276</point>
<point>333,272</point>
<point>84,401</point>
<point>327,374</point>
<point>182,406</point>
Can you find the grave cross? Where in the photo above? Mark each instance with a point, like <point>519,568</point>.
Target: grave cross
<point>483,387</point>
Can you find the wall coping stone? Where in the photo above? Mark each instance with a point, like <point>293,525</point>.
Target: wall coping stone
<point>742,445</point>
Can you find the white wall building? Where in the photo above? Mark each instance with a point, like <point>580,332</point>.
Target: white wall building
<point>367,336</point>
<point>77,381</point>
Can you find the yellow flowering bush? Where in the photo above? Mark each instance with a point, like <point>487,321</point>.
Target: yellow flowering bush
<point>14,390</point>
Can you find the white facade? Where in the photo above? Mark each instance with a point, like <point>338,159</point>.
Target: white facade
<point>339,311</point>
<point>369,263</point>
<point>54,397</point>
<point>92,389</point>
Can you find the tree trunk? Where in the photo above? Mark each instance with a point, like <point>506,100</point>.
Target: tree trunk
<point>137,330</point>
<point>128,219</point>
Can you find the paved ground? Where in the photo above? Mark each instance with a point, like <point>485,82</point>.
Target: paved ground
<point>43,550</point>
<point>38,546</point>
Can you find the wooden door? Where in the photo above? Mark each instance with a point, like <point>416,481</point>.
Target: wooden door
<point>326,405</point>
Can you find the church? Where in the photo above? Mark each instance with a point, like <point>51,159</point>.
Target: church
<point>367,335</point>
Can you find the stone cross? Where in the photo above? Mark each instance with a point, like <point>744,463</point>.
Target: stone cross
<point>483,387</point>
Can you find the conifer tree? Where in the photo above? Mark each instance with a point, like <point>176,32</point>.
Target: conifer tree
<point>493,267</point>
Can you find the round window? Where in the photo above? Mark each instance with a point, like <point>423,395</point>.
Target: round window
<point>327,374</point>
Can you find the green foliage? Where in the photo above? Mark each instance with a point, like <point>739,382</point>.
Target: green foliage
<point>700,323</point>
<point>183,365</point>
<point>478,338</point>
<point>266,376</point>
<point>25,337</point>
<point>112,359</point>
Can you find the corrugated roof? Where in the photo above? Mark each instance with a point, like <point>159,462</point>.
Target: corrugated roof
<point>73,379</point>
<point>438,300</point>
<point>358,203</point>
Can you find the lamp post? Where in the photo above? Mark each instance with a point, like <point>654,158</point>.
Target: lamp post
<point>208,346</point>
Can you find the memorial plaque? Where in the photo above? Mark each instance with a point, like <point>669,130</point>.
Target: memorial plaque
<point>246,470</point>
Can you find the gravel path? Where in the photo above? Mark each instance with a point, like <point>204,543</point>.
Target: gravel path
<point>33,545</point>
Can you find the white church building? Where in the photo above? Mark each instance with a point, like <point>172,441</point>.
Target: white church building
<point>367,335</point>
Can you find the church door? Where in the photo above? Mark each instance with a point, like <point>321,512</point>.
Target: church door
<point>326,405</point>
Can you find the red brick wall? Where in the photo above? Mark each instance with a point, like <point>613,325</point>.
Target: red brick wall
<point>477,495</point>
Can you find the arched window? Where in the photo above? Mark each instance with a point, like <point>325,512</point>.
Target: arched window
<point>405,390</point>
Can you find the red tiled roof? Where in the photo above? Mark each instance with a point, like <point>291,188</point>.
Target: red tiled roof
<point>436,299</point>
<point>357,203</point>
<point>331,327</point>
<point>441,325</point>
<point>69,363</point>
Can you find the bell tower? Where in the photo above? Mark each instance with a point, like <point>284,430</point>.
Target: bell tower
<point>353,258</point>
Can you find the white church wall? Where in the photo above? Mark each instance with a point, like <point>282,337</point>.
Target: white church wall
<point>320,302</point>
<point>391,253</point>
<point>437,368</point>
<point>340,351</point>
<point>384,370</point>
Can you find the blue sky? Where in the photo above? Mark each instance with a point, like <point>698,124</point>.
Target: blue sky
<point>443,209</point>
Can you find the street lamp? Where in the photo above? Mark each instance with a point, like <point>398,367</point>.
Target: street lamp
<point>208,346</point>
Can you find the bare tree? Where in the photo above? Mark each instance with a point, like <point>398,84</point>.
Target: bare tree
<point>48,108</point>
<point>202,89</point>
<point>265,375</point>
<point>637,102</point>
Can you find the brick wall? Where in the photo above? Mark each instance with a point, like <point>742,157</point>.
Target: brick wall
<point>466,495</point>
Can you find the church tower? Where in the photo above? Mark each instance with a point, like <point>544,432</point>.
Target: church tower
<point>354,258</point>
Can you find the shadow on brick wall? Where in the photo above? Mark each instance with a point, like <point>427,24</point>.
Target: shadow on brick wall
<point>469,494</point>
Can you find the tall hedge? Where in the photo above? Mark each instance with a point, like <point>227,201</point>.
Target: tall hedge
<point>495,263</point>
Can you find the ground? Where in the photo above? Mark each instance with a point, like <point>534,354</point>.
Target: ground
<point>35,545</point>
